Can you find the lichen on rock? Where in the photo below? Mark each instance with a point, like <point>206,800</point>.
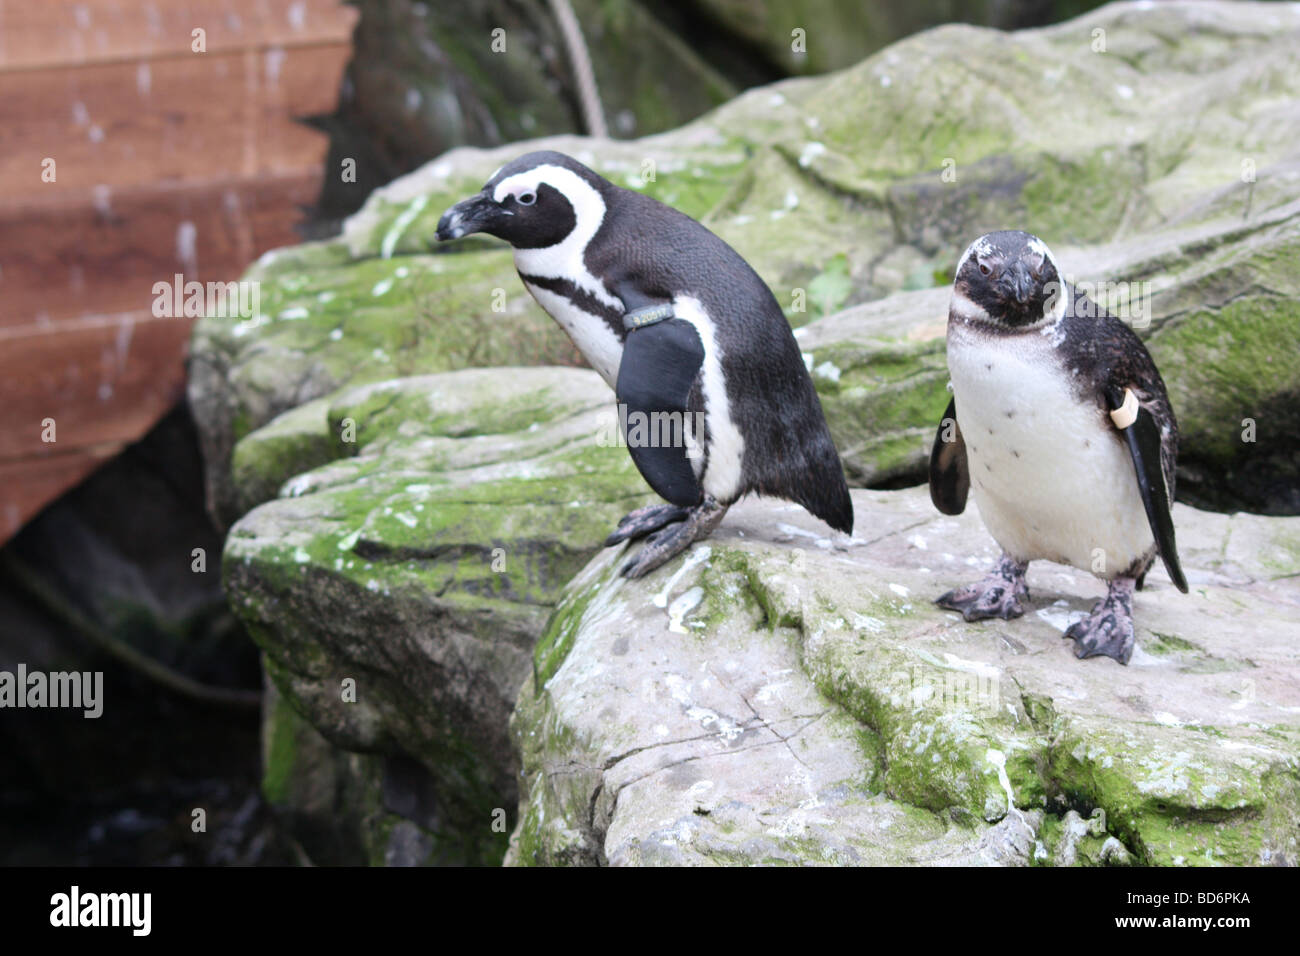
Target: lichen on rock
<point>406,516</point>
<point>421,566</point>
<point>785,695</point>
<point>879,175</point>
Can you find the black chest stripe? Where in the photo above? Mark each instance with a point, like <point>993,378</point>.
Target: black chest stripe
<point>582,299</point>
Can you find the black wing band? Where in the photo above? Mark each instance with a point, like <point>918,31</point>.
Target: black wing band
<point>1143,438</point>
<point>659,365</point>
<point>949,469</point>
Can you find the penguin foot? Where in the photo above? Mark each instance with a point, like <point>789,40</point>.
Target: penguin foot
<point>998,595</point>
<point>674,538</point>
<point>1108,630</point>
<point>639,523</point>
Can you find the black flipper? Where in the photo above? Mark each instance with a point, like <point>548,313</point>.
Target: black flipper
<point>1143,439</point>
<point>949,469</point>
<point>659,365</point>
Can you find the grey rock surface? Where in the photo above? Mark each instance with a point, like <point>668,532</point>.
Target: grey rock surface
<point>785,696</point>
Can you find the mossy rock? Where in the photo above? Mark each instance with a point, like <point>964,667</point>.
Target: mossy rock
<point>398,589</point>
<point>786,696</point>
<point>412,528</point>
<point>865,183</point>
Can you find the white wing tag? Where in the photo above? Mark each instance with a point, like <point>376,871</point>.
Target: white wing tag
<point>1127,413</point>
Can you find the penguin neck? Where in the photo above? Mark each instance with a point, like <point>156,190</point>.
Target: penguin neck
<point>566,259</point>
<point>964,311</point>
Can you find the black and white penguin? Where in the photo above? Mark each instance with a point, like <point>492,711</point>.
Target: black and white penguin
<point>1061,427</point>
<point>678,324</point>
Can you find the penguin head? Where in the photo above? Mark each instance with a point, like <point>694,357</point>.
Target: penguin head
<point>533,202</point>
<point>1013,278</point>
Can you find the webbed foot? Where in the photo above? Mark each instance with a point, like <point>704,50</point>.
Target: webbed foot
<point>639,523</point>
<point>674,537</point>
<point>1108,630</point>
<point>998,595</point>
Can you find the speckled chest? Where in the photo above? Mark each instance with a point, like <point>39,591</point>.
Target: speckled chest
<point>1048,472</point>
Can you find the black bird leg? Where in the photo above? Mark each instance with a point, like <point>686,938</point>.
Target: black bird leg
<point>1108,630</point>
<point>639,523</point>
<point>672,534</point>
<point>998,595</point>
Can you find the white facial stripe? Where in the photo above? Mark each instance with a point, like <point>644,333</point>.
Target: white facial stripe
<point>516,190</point>
<point>964,308</point>
<point>564,260</point>
<point>1062,297</point>
<point>565,180</point>
<point>722,476</point>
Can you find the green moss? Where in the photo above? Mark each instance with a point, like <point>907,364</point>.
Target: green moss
<point>557,639</point>
<point>695,188</point>
<point>830,289</point>
<point>1185,804</point>
<point>280,748</point>
<point>1283,554</point>
<point>1170,643</point>
<point>1083,197</point>
<point>729,594</point>
<point>295,442</point>
<point>885,406</point>
<point>1223,366</point>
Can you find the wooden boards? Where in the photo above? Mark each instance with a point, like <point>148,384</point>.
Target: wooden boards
<point>126,157</point>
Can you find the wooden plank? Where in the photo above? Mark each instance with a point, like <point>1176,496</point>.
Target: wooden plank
<point>180,120</point>
<point>64,259</point>
<point>29,485</point>
<point>46,33</point>
<point>102,381</point>
<point>168,161</point>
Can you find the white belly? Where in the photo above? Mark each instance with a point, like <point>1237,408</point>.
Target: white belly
<point>594,339</point>
<point>1051,478</point>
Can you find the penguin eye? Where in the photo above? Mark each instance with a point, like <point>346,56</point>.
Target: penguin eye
<point>527,199</point>
<point>984,269</point>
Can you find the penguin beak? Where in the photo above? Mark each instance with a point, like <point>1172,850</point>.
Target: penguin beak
<point>1021,283</point>
<point>478,213</point>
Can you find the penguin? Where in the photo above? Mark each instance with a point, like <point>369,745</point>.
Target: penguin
<point>683,329</point>
<point>1061,428</point>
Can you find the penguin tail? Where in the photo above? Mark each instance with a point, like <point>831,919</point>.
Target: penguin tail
<point>830,500</point>
<point>822,488</point>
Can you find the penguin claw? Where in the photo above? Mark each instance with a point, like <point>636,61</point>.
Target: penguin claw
<point>1108,631</point>
<point>977,602</point>
<point>998,595</point>
<point>673,538</point>
<point>644,521</point>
